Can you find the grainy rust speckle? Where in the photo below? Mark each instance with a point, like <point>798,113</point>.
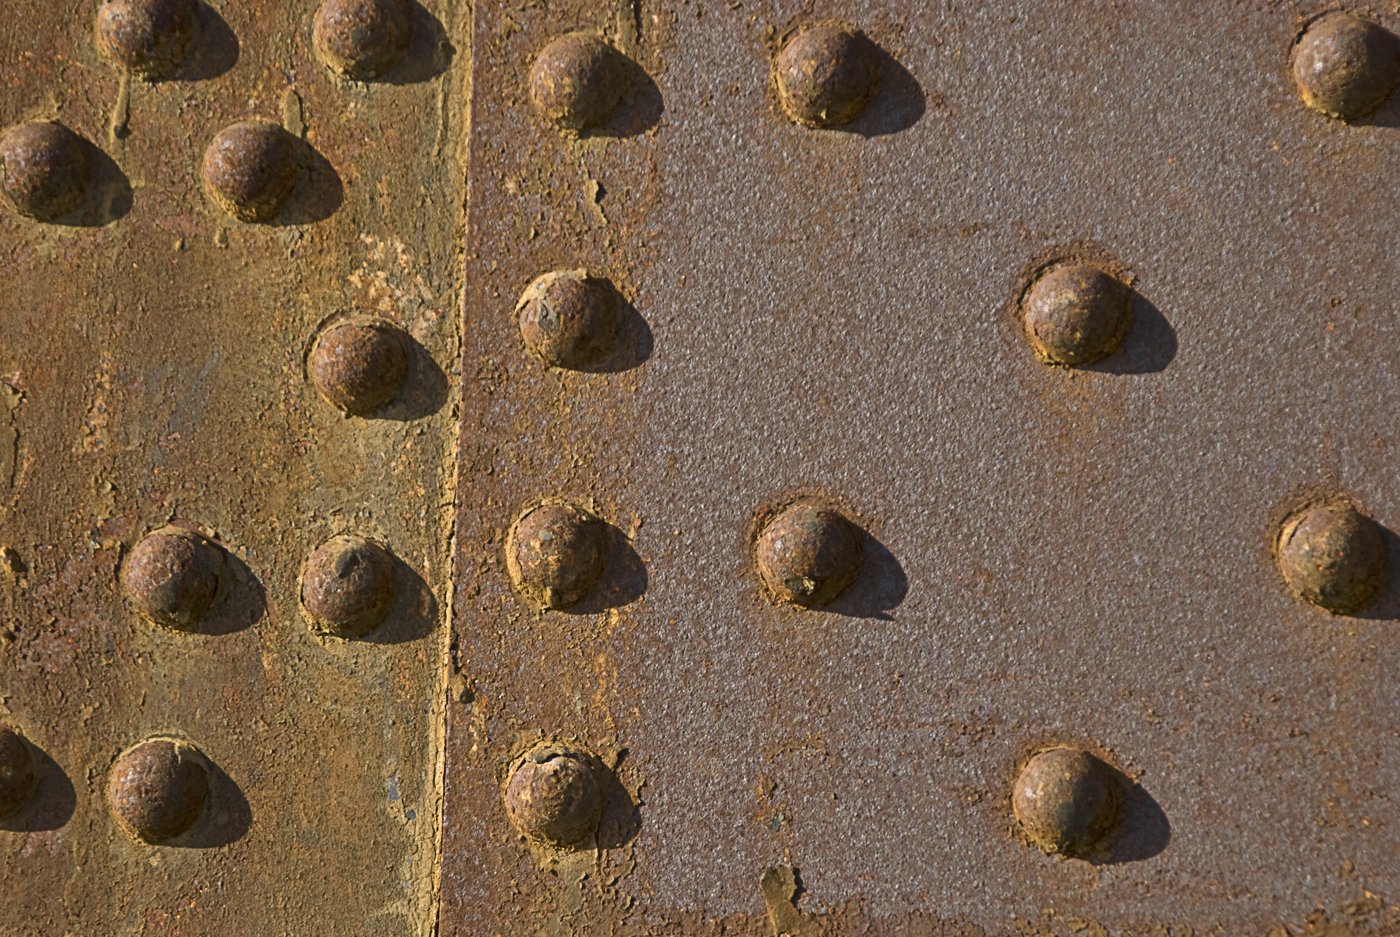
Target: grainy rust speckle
<point>148,38</point>
<point>158,788</point>
<point>46,168</point>
<point>1346,66</point>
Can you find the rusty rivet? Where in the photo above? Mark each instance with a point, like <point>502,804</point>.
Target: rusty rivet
<point>1066,800</point>
<point>359,365</point>
<point>807,555</point>
<point>347,586</point>
<point>362,38</point>
<point>172,577</point>
<point>569,319</point>
<point>46,168</point>
<point>826,74</point>
<point>553,794</point>
<point>1333,556</point>
<point>1077,314</point>
<point>555,554</point>
<point>16,771</point>
<point>250,168</point>
<point>1346,66</point>
<point>158,788</point>
<point>577,81</point>
<point>148,38</point>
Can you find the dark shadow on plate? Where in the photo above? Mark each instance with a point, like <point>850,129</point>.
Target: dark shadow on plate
<point>429,52</point>
<point>215,52</point>
<point>225,819</point>
<point>425,387</point>
<point>1149,346</point>
<point>243,605</point>
<point>624,578</point>
<point>621,820</point>
<point>50,804</point>
<point>1143,828</point>
<point>109,194</point>
<point>415,611</point>
<point>639,110</point>
<point>317,196</point>
<point>1386,607</point>
<point>899,101</point>
<point>632,345</point>
<point>880,585</point>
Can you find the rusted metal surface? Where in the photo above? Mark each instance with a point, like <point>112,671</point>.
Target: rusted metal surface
<point>1051,556</point>
<point>152,370</point>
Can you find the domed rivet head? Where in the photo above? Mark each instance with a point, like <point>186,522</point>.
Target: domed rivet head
<point>250,168</point>
<point>158,788</point>
<point>577,81</point>
<point>1345,66</point>
<point>172,577</point>
<point>553,794</point>
<point>359,366</point>
<point>1067,801</point>
<point>569,319</point>
<point>362,39</point>
<point>555,554</point>
<point>1333,556</point>
<point>1077,314</point>
<point>16,771</point>
<point>148,38</point>
<point>347,586</point>
<point>826,74</point>
<point>806,555</point>
<point>45,168</point>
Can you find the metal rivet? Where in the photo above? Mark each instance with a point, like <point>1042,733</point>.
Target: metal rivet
<point>555,554</point>
<point>577,81</point>
<point>148,38</point>
<point>362,38</point>
<point>250,168</point>
<point>1332,555</point>
<point>173,576</point>
<point>806,555</point>
<point>16,771</point>
<point>1066,800</point>
<point>569,319</point>
<point>158,788</point>
<point>347,586</point>
<point>46,169</point>
<point>826,74</point>
<point>554,795</point>
<point>359,366</point>
<point>1077,314</point>
<point>1346,66</point>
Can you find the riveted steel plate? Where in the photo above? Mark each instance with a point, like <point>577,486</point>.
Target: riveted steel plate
<point>1053,555</point>
<point>151,354</point>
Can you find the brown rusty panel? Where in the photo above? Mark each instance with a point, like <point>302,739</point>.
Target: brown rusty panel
<point>1053,555</point>
<point>152,362</point>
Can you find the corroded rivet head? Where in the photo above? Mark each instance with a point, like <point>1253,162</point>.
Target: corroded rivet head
<point>1333,556</point>
<point>569,319</point>
<point>555,554</point>
<point>1346,66</point>
<point>250,169</point>
<point>362,38</point>
<point>16,771</point>
<point>46,168</point>
<point>347,586</point>
<point>807,555</point>
<point>1066,800</point>
<point>359,366</point>
<point>553,794</point>
<point>577,81</point>
<point>172,577</point>
<point>158,788</point>
<point>1077,314</point>
<point>148,38</point>
<point>826,74</point>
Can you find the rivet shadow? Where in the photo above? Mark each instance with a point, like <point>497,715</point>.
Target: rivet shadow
<point>415,611</point>
<point>1386,607</point>
<point>1143,828</point>
<point>623,582</point>
<point>622,817</point>
<point>214,52</point>
<point>109,193</point>
<point>429,52</point>
<point>425,387</point>
<point>243,606</point>
<point>879,587</point>
<point>318,194</point>
<point>227,817</point>
<point>639,110</point>
<point>1149,346</point>
<point>632,345</point>
<point>52,802</point>
<point>899,101</point>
